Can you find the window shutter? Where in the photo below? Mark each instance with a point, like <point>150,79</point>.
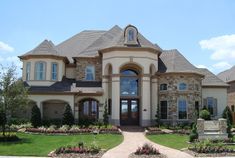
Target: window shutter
<point>204,102</point>
<point>215,107</point>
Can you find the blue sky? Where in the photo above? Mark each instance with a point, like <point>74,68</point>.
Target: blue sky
<point>202,30</point>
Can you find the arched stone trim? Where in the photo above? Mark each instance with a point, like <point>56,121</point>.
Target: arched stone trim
<point>88,113</point>
<point>132,65</point>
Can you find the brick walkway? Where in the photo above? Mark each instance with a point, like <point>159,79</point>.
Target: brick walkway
<point>133,140</point>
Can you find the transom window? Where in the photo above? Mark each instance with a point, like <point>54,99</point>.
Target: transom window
<point>182,86</point>
<point>163,87</point>
<point>89,109</point>
<point>40,70</point>
<point>28,67</point>
<point>182,109</point>
<point>90,73</point>
<point>54,69</point>
<point>129,83</point>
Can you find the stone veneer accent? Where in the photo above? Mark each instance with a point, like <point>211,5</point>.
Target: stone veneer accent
<point>172,94</point>
<point>82,62</point>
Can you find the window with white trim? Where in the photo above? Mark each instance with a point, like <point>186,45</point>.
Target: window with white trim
<point>90,73</point>
<point>28,68</point>
<point>40,70</point>
<point>54,71</point>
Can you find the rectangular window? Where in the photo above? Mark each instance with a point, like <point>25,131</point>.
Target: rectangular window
<point>40,71</point>
<point>28,67</point>
<point>163,87</point>
<point>54,71</point>
<point>90,73</point>
<point>210,105</point>
<point>182,109</point>
<point>163,109</point>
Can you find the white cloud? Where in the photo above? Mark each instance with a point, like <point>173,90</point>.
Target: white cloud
<point>222,65</point>
<point>1,59</point>
<point>200,66</point>
<point>5,47</point>
<point>223,47</point>
<point>14,60</point>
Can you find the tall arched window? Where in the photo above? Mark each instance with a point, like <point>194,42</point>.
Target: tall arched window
<point>129,83</point>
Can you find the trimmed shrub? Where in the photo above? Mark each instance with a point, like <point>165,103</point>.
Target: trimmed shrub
<point>105,115</point>
<point>36,117</point>
<point>227,114</point>
<point>193,135</point>
<point>205,114</point>
<point>68,118</point>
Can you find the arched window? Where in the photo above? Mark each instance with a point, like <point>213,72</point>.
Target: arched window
<point>182,86</point>
<point>89,109</point>
<point>131,35</point>
<point>163,87</point>
<point>40,70</point>
<point>129,83</point>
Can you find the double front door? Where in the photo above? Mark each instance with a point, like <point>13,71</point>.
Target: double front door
<point>129,112</point>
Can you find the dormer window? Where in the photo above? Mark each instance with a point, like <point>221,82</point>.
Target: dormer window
<point>131,35</point>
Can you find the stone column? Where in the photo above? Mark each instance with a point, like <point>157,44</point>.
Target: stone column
<point>146,107</point>
<point>200,126</point>
<point>223,125</point>
<point>115,117</point>
<point>154,98</point>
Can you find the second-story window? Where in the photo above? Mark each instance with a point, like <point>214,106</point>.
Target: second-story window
<point>163,87</point>
<point>182,86</point>
<point>28,67</point>
<point>90,73</point>
<point>131,35</point>
<point>40,70</point>
<point>54,70</point>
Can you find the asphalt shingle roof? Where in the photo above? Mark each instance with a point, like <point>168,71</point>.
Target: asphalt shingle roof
<point>227,75</point>
<point>211,79</point>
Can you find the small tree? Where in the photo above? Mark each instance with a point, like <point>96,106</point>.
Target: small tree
<point>36,117</point>
<point>105,115</point>
<point>13,94</point>
<point>193,135</point>
<point>157,117</point>
<point>227,114</point>
<point>68,118</point>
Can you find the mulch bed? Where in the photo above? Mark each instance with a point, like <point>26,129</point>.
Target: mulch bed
<point>133,155</point>
<point>87,155</point>
<point>209,154</point>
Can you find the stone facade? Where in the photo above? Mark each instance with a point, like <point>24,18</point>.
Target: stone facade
<point>81,67</point>
<point>172,94</point>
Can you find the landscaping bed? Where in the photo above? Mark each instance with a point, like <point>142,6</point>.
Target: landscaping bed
<point>66,130</point>
<point>156,130</point>
<point>147,151</point>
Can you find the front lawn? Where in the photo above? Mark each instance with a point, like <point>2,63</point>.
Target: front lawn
<point>41,145</point>
<point>175,141</point>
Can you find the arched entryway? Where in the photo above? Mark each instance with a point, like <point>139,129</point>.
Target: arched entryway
<point>129,96</point>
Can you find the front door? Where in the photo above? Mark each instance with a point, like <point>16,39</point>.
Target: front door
<point>129,112</point>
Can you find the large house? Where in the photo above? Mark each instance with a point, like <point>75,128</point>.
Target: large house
<point>228,76</point>
<point>124,69</point>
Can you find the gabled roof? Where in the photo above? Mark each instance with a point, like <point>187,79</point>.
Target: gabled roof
<point>171,61</point>
<point>44,48</point>
<point>227,75</point>
<point>211,79</point>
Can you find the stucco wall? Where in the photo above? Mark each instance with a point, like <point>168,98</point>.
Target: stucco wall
<point>220,94</point>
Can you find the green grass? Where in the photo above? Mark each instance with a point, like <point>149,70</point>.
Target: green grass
<point>41,145</point>
<point>175,141</point>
